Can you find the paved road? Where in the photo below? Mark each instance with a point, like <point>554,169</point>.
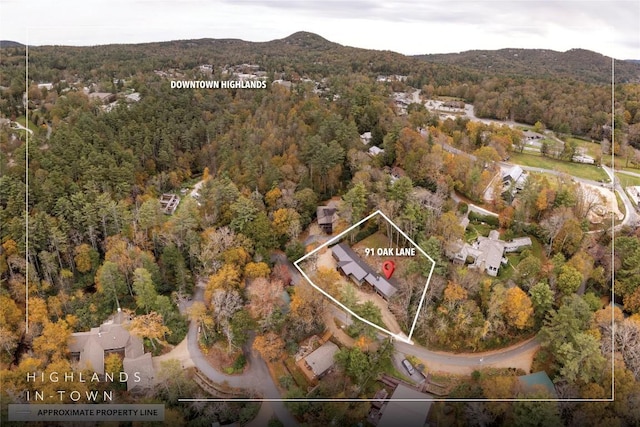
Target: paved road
<point>256,378</point>
<point>631,216</point>
<point>443,359</point>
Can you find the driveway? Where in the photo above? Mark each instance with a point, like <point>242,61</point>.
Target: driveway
<point>256,378</point>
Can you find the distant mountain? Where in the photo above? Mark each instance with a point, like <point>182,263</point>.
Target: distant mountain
<point>308,41</point>
<point>10,43</point>
<point>575,63</point>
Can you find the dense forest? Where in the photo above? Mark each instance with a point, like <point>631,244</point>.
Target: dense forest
<point>97,239</point>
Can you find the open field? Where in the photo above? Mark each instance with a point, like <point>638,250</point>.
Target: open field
<point>575,169</point>
<point>628,180</point>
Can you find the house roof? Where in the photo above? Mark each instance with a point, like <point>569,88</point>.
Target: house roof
<point>513,174</point>
<point>491,251</point>
<point>351,264</point>
<point>381,284</point>
<point>398,412</point>
<point>538,380</point>
<point>321,359</point>
<point>110,336</point>
<point>141,365</point>
<point>325,214</point>
<point>374,151</point>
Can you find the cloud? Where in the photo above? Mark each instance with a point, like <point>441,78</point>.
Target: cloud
<point>406,26</point>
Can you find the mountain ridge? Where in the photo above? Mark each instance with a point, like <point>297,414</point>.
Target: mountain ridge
<point>580,64</point>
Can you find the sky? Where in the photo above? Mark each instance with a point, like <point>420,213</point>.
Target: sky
<point>410,27</point>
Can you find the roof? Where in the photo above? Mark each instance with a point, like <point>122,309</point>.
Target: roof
<point>374,151</point>
<point>491,252</point>
<point>325,214</point>
<point>112,336</point>
<point>536,381</point>
<point>381,284</point>
<point>403,413</point>
<point>321,359</point>
<point>351,264</point>
<point>141,365</point>
<point>513,174</point>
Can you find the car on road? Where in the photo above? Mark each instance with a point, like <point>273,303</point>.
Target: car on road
<point>408,366</point>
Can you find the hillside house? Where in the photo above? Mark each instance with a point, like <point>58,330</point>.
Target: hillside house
<point>326,218</point>
<point>407,407</point>
<point>103,97</point>
<point>169,203</point>
<point>352,266</point>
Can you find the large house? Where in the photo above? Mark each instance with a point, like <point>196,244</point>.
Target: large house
<point>360,272</point>
<point>515,176</point>
<point>90,349</point>
<point>487,253</point>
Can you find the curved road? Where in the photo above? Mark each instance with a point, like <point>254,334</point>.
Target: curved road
<point>442,359</point>
<point>256,378</point>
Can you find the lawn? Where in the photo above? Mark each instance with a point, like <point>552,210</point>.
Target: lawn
<point>628,180</point>
<point>574,169</point>
<point>473,231</point>
<point>592,149</point>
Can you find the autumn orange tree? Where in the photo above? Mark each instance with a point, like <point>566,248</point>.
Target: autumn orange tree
<point>270,346</point>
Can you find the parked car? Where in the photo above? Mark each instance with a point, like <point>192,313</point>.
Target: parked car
<point>408,366</point>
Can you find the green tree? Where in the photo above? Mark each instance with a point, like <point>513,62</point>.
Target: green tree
<point>542,299</point>
<point>354,203</point>
<point>569,280</point>
<point>144,289</point>
<point>536,413</point>
<point>566,337</point>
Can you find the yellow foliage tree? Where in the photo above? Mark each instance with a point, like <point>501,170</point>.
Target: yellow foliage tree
<point>149,326</point>
<point>82,258</point>
<point>256,269</point>
<point>270,346</point>
<point>51,345</point>
<point>517,308</point>
<point>454,292</point>
<point>227,278</point>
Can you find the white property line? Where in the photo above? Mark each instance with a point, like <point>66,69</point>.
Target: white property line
<point>399,337</point>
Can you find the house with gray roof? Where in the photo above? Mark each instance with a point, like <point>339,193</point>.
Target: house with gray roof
<point>90,348</point>
<point>407,407</point>
<point>321,359</point>
<point>326,218</point>
<point>352,266</point>
<point>486,253</point>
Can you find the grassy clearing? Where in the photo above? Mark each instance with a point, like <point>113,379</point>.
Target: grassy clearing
<point>628,180</point>
<point>376,240</point>
<point>592,149</point>
<point>574,169</point>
